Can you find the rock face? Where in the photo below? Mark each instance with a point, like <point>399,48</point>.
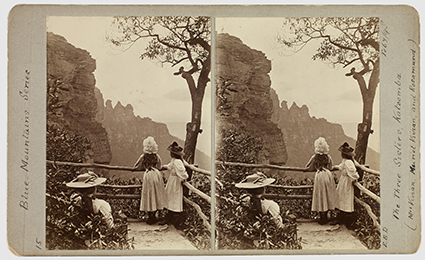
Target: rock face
<point>300,130</point>
<point>126,133</point>
<point>243,101</point>
<point>71,101</point>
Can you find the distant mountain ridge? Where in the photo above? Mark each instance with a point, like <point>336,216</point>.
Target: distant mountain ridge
<point>300,130</point>
<point>126,133</point>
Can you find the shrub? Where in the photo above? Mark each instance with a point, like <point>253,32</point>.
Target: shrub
<point>236,228</point>
<point>367,233</point>
<point>66,228</point>
<point>191,224</point>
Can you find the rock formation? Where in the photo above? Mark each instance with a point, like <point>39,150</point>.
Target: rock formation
<point>126,133</point>
<point>300,130</point>
<point>243,101</point>
<point>71,102</point>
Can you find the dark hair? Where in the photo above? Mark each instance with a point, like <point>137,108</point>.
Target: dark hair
<point>255,200</point>
<point>175,156</point>
<point>321,162</point>
<point>346,156</point>
<point>256,191</point>
<point>87,199</point>
<point>149,161</point>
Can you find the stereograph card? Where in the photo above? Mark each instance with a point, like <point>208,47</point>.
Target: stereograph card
<point>213,130</point>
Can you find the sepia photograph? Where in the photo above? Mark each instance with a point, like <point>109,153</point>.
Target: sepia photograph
<point>128,141</point>
<point>213,130</point>
<point>298,133</point>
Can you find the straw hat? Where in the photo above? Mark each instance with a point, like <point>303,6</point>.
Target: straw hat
<point>346,149</point>
<point>175,149</point>
<point>86,180</point>
<point>256,180</point>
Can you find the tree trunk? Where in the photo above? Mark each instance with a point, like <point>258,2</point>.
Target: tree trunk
<point>194,126</point>
<point>364,129</point>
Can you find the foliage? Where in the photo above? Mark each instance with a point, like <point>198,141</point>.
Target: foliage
<point>301,208</point>
<point>129,207</point>
<point>191,224</point>
<point>66,227</point>
<point>173,39</point>
<point>65,146</point>
<point>344,41</point>
<point>238,147</point>
<point>367,233</point>
<point>236,228</point>
<point>193,227</point>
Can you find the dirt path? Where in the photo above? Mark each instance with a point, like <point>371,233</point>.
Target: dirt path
<point>315,236</point>
<point>154,237</point>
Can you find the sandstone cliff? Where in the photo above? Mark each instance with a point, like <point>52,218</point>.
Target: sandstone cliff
<point>71,102</point>
<point>126,133</point>
<point>243,101</point>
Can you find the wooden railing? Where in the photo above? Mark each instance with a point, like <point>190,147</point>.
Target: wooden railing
<point>208,198</point>
<point>129,168</point>
<point>137,196</point>
<point>300,169</point>
<point>288,168</point>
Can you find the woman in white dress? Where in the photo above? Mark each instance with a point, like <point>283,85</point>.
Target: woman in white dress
<point>174,187</point>
<point>345,188</point>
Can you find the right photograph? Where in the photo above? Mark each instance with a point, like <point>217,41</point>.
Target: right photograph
<point>297,121</point>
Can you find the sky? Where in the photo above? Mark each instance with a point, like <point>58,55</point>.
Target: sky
<point>122,76</point>
<point>155,92</point>
<point>326,91</point>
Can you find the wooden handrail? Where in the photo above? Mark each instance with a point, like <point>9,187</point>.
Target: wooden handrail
<point>288,168</point>
<point>137,196</point>
<point>369,212</point>
<point>291,187</point>
<point>283,197</point>
<point>131,186</point>
<point>127,168</point>
<point>196,169</point>
<point>368,192</point>
<point>197,192</point>
<point>364,168</point>
<point>93,165</point>
<point>200,213</point>
<point>117,196</point>
<point>271,166</point>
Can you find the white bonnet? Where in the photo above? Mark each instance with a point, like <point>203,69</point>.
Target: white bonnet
<point>321,146</point>
<point>149,145</point>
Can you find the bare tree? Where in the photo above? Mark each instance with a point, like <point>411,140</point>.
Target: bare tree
<point>344,42</point>
<point>182,40</point>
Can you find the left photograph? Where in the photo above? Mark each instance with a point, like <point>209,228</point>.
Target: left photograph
<point>128,134</point>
